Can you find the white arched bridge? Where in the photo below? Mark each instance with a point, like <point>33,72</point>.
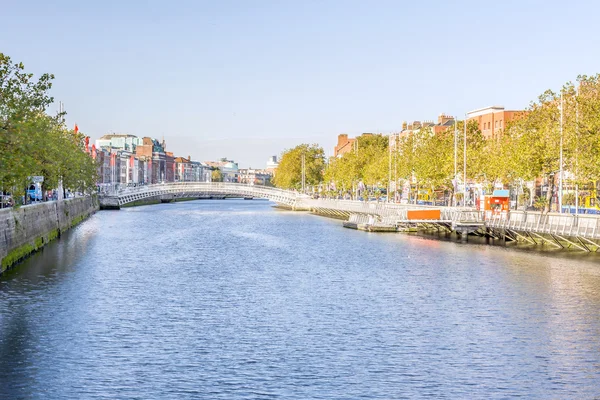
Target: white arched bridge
<point>559,230</point>
<point>202,190</point>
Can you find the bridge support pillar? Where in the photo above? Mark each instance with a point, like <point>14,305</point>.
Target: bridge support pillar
<point>167,198</point>
<point>109,203</point>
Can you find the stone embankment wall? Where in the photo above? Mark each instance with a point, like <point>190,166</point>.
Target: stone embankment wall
<point>26,229</point>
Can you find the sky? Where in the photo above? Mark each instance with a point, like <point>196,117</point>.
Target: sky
<point>248,79</point>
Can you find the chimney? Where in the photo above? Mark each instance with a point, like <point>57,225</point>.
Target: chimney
<point>443,118</point>
<point>189,158</point>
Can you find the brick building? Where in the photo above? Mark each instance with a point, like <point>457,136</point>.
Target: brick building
<point>492,120</point>
<point>345,144</point>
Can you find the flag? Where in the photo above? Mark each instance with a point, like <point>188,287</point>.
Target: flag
<point>113,158</point>
<point>76,129</point>
<point>87,144</point>
<point>131,161</point>
<point>94,151</point>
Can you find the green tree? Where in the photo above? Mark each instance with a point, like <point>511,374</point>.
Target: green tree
<point>216,175</point>
<point>289,171</point>
<point>34,143</point>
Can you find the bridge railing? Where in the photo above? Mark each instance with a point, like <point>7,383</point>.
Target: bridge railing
<point>586,225</point>
<point>194,186</point>
<point>393,210</point>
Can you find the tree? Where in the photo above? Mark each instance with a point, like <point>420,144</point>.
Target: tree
<point>33,143</point>
<point>289,171</point>
<point>216,175</point>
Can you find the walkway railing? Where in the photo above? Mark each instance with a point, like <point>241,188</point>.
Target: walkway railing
<point>587,225</point>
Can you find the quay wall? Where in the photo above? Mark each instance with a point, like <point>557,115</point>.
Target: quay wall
<point>24,230</point>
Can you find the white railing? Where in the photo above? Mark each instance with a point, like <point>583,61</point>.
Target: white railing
<point>129,194</point>
<point>556,224</point>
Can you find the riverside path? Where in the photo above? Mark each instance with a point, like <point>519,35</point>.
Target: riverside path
<point>559,230</point>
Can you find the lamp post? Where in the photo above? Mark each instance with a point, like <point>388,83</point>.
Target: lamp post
<point>465,164</point>
<point>389,189</point>
<point>560,177</point>
<point>576,151</point>
<point>455,162</point>
<point>303,173</point>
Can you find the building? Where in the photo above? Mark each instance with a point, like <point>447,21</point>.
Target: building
<point>252,176</point>
<point>272,165</point>
<point>184,169</point>
<point>229,169</point>
<point>119,141</point>
<point>444,122</point>
<point>492,120</point>
<point>154,153</point>
<point>346,144</point>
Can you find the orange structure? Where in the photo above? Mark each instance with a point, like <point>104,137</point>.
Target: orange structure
<point>424,215</point>
<point>492,120</point>
<point>497,203</point>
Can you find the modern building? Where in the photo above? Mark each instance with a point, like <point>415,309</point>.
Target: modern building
<point>119,141</point>
<point>272,165</point>
<point>492,120</point>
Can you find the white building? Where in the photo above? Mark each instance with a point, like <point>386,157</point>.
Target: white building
<point>119,141</point>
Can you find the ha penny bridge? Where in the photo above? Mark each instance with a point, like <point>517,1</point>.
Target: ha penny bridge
<point>562,231</point>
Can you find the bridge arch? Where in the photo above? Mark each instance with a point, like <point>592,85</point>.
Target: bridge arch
<point>123,196</point>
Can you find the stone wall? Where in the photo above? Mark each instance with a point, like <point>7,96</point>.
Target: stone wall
<point>26,229</point>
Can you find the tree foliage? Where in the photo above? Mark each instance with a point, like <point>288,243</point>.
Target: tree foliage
<point>527,149</point>
<point>33,143</point>
<point>289,171</point>
<point>368,162</point>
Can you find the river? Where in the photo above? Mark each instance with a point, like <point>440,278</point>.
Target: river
<point>238,300</point>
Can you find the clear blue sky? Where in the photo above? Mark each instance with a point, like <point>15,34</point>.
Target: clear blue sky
<point>246,79</point>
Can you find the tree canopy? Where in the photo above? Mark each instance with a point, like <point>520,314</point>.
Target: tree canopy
<point>289,171</point>
<point>33,143</point>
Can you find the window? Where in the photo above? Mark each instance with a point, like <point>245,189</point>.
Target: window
<point>496,125</point>
<point>500,124</point>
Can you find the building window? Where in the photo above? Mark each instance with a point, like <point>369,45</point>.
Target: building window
<point>500,124</point>
<point>496,125</point>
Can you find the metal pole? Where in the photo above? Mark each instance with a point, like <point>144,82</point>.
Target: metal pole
<point>390,168</point>
<point>396,170</point>
<point>303,173</point>
<point>465,164</point>
<point>455,162</point>
<point>576,151</point>
<point>560,177</point>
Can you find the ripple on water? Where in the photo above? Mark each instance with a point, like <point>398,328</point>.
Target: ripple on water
<point>234,299</point>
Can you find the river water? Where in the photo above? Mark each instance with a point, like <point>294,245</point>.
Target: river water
<point>237,300</point>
